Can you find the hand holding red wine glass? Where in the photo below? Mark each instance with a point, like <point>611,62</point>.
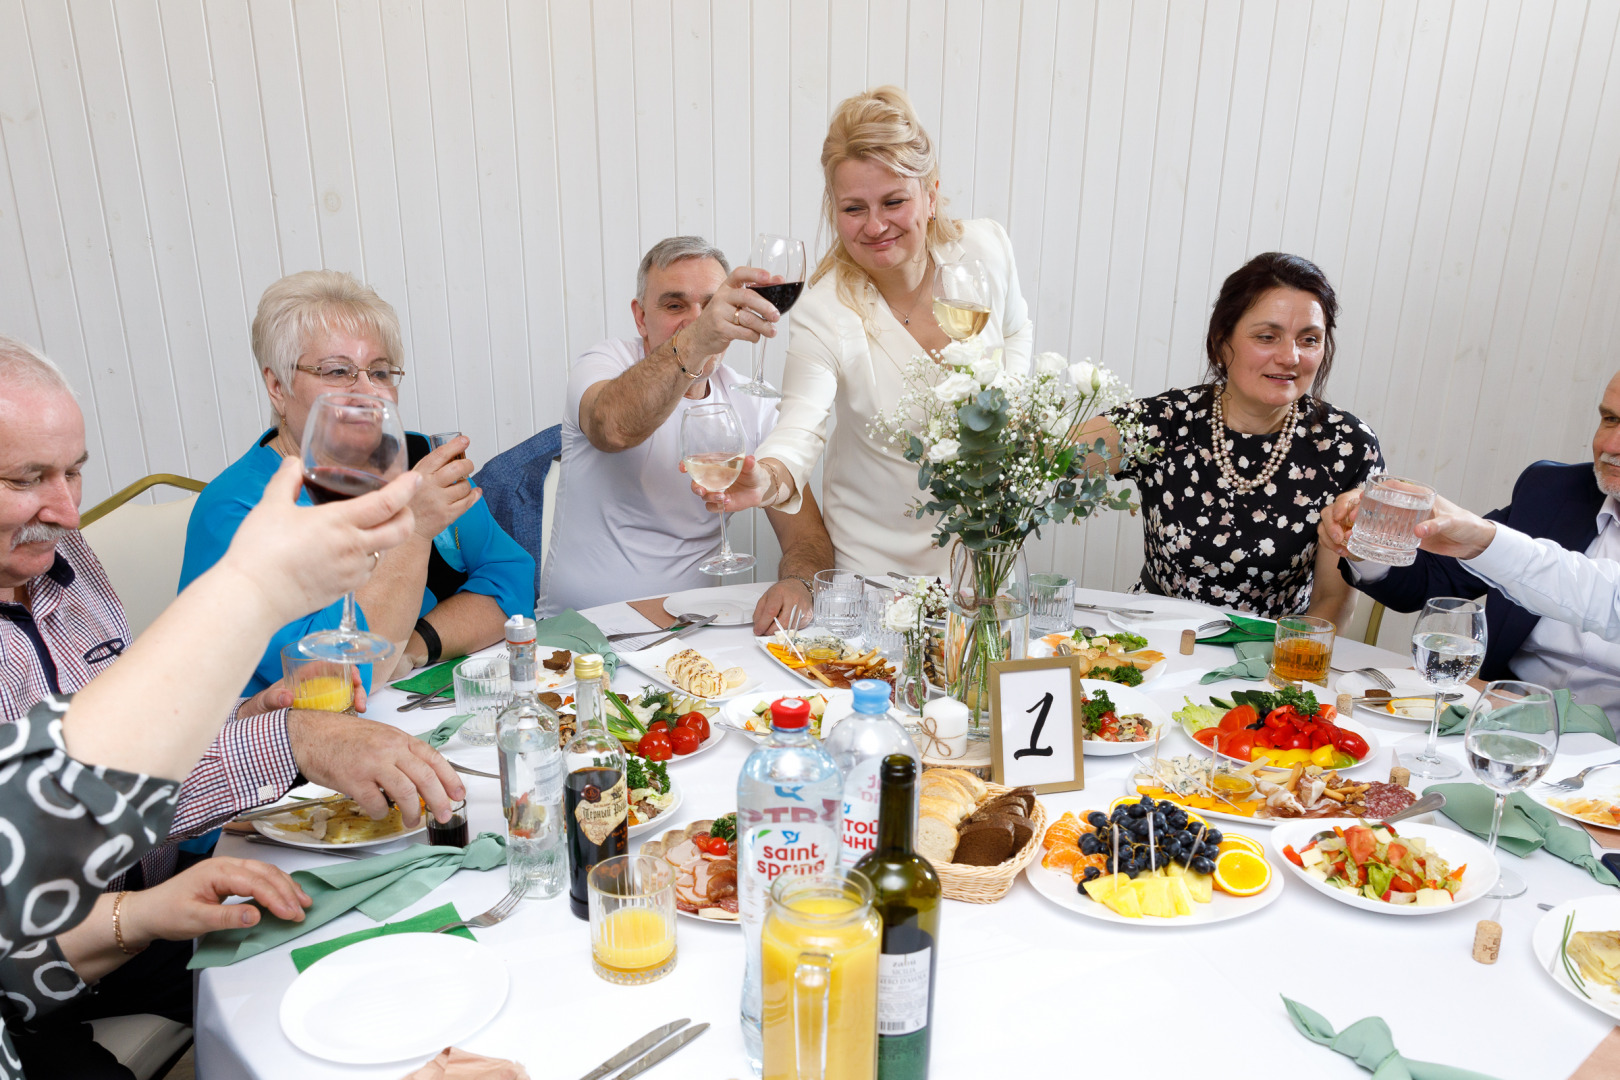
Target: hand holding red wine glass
<point>783,257</point>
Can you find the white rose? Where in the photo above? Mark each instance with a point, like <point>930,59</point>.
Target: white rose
<point>1084,376</point>
<point>901,615</point>
<point>959,354</point>
<point>1008,381</point>
<point>986,369</point>
<point>943,451</point>
<point>1050,363</point>
<point>955,386</point>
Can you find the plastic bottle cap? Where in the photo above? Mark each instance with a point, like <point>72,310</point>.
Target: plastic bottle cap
<point>588,666</point>
<point>790,712</point>
<point>871,695</point>
<point>520,630</point>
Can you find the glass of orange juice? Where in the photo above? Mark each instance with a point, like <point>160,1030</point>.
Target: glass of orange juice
<point>631,900</point>
<point>323,685</point>
<point>1301,651</point>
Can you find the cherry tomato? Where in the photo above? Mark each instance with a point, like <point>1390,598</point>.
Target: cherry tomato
<point>655,746</point>
<point>658,725</point>
<point>718,846</point>
<point>702,841</point>
<point>684,740</point>
<point>1351,743</point>
<point>697,721</point>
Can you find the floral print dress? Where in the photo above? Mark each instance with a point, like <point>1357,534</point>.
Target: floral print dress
<point>1253,552</point>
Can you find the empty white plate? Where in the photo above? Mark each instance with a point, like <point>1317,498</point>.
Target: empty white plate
<point>394,997</point>
<point>731,605</point>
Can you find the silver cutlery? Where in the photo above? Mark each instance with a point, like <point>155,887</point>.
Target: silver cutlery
<point>696,623</point>
<point>660,1052</point>
<point>468,770</point>
<point>503,908</point>
<point>256,838</point>
<point>1376,698</point>
<point>1576,782</point>
<point>420,701</point>
<point>1112,610</point>
<point>1545,907</point>
<point>284,808</point>
<point>1213,625</point>
<point>864,580</point>
<point>636,1049</point>
<point>1374,676</point>
<point>1432,800</point>
<point>681,623</point>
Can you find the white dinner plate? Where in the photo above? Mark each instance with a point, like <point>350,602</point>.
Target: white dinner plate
<point>1170,615</point>
<point>731,605</point>
<point>1042,647</point>
<point>544,678</point>
<point>1059,887</point>
<point>1591,913</point>
<point>394,997</point>
<point>734,714</point>
<point>664,817</point>
<point>1367,759</point>
<point>1214,815</point>
<point>300,839</point>
<point>650,662</point>
<point>1604,785</point>
<point>1129,701</point>
<point>1456,848</point>
<point>1407,685</point>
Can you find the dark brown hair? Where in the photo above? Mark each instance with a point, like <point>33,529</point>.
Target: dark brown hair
<point>1239,292</point>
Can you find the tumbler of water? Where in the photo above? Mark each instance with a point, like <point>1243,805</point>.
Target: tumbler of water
<point>1386,520</point>
<point>838,601</point>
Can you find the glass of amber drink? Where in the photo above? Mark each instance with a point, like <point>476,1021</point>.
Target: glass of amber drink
<point>632,914</point>
<point>1301,651</point>
<point>323,685</point>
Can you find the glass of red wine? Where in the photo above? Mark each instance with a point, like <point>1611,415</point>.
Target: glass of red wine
<point>353,444</point>
<point>783,257</point>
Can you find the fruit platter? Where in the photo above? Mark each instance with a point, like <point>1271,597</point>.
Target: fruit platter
<point>1146,862</point>
<point>1220,789</point>
<point>1278,728</point>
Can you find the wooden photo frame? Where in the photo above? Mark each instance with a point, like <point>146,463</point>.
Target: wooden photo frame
<point>1036,738</point>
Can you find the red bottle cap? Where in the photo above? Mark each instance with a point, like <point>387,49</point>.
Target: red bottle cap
<point>790,712</point>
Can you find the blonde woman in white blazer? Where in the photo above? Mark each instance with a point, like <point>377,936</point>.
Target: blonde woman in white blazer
<point>868,310</point>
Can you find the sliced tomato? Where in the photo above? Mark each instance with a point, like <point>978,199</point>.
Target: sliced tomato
<point>1397,852</point>
<point>702,841</point>
<point>1360,843</point>
<point>1351,743</point>
<point>1239,744</point>
<point>1326,711</point>
<point>1293,856</point>
<point>1207,736</point>
<point>1400,884</point>
<point>1240,717</point>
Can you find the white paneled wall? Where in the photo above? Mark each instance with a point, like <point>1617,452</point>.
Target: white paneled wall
<point>496,168</point>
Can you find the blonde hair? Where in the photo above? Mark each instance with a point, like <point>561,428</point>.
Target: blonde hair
<point>879,125</point>
<point>295,309</point>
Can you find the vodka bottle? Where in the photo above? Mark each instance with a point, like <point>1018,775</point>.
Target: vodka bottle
<point>531,774</point>
<point>858,744</point>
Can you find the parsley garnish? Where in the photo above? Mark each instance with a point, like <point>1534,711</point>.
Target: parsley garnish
<point>724,827</point>
<point>1092,712</point>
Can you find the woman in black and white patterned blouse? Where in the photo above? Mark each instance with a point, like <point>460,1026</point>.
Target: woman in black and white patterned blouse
<point>1250,458</point>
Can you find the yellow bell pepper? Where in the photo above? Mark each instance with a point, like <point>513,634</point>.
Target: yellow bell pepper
<point>1323,756</point>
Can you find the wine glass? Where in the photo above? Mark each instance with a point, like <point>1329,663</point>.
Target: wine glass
<point>1511,740</point>
<point>783,257</point>
<point>713,448</point>
<point>353,443</point>
<point>961,298</point>
<point>1448,646</point>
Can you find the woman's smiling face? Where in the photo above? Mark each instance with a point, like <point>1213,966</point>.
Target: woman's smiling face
<point>1275,349</point>
<point>882,217</point>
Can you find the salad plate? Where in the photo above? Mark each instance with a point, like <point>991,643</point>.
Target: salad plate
<point>1192,728</point>
<point>1457,849</point>
<point>739,713</point>
<point>1048,645</point>
<point>1128,702</point>
<point>663,815</point>
<point>1413,698</point>
<point>1597,913</point>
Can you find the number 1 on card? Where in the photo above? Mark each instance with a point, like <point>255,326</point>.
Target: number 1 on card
<point>1036,738</point>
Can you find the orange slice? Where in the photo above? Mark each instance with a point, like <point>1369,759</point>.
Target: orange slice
<point>1236,842</point>
<point>1241,873</point>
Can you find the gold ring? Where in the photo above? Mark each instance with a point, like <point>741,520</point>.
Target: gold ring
<point>739,315</point>
<point>376,557</point>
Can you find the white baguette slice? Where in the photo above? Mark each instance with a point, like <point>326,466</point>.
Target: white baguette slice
<point>936,839</point>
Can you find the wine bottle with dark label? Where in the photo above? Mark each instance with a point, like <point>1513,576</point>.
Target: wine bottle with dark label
<point>596,801</point>
<point>907,895</point>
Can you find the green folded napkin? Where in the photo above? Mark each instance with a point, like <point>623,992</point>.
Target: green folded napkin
<point>577,634</point>
<point>1526,826</point>
<point>446,729</point>
<point>1243,628</point>
<point>1255,667</point>
<point>1571,718</point>
<point>430,680</point>
<point>1251,650</point>
<point>1369,1044</point>
<point>425,923</point>
<point>380,886</point>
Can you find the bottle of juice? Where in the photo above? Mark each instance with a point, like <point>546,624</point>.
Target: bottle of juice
<point>858,745</point>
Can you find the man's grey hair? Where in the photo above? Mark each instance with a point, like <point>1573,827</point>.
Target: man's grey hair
<point>673,250</point>
<point>21,363</point>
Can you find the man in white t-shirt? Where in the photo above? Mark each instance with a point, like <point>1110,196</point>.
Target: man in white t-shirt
<point>627,524</point>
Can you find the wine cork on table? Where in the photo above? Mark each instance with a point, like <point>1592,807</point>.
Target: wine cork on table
<point>1345,703</point>
<point>1399,775</point>
<point>1487,941</point>
<point>1189,638</point>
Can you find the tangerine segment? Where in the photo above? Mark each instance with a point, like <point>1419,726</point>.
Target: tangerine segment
<point>1078,870</point>
<point>1238,842</point>
<point>1241,873</point>
<point>1065,830</point>
<point>1061,857</point>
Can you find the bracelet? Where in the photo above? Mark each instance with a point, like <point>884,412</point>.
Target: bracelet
<point>676,349</point>
<point>118,925</point>
<point>806,582</point>
<point>430,638</point>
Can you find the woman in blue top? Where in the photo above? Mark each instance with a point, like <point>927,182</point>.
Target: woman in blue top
<point>449,589</point>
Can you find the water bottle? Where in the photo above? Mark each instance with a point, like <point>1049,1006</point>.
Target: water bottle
<point>531,774</point>
<point>789,801</point>
<point>858,745</point>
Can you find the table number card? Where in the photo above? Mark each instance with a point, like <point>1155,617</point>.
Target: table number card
<point>1036,739</point>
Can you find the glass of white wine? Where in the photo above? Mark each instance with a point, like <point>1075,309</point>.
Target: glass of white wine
<point>1511,741</point>
<point>962,298</point>
<point>1448,647</point>
<point>712,449</point>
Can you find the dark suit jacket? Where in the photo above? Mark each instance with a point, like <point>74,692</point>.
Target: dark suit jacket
<point>514,490</point>
<point>1551,501</point>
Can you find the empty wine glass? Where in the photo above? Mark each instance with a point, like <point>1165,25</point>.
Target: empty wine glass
<point>712,449</point>
<point>353,444</point>
<point>783,257</point>
<point>961,298</point>
<point>1511,740</point>
<point>1448,646</point>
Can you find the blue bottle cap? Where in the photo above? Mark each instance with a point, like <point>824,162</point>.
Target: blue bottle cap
<point>871,696</point>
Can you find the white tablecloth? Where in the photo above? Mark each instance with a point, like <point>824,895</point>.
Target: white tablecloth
<point>1023,986</point>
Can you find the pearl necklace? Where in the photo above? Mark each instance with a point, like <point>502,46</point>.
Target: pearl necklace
<point>1279,449</point>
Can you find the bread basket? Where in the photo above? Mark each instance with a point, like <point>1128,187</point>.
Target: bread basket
<point>987,884</point>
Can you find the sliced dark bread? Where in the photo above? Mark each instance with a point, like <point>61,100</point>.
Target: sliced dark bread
<point>1007,804</point>
<point>1022,827</point>
<point>987,843</point>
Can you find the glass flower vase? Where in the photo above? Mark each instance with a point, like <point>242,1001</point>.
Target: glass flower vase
<point>911,681</point>
<point>987,622</point>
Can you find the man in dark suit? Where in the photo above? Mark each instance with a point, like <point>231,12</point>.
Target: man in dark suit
<point>1560,632</point>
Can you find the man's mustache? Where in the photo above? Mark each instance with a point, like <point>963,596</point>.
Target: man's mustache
<point>38,533</point>
<point>1609,459</point>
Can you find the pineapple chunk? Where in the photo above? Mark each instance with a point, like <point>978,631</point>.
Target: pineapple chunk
<point>1180,896</point>
<point>1201,886</point>
<point>1115,893</point>
<point>1154,895</point>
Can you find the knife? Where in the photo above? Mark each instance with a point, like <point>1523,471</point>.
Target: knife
<point>1446,698</point>
<point>695,624</point>
<point>285,808</point>
<point>647,1041</point>
<point>628,634</point>
<point>641,1065</point>
<point>421,700</point>
<point>468,771</point>
<point>1114,610</point>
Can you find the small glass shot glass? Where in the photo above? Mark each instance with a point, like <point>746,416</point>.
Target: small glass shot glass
<point>483,687</point>
<point>452,833</point>
<point>1301,650</point>
<point>322,685</point>
<point>631,899</point>
<point>1051,599</point>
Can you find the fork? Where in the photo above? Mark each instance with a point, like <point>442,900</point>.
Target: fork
<point>1376,677</point>
<point>1213,624</point>
<point>503,907</point>
<point>1574,783</point>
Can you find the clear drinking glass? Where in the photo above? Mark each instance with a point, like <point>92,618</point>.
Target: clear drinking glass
<point>631,900</point>
<point>1301,650</point>
<point>1389,512</point>
<point>1448,646</point>
<point>353,444</point>
<point>783,257</point>
<point>483,688</point>
<point>1051,603</point>
<point>961,298</point>
<point>874,607</point>
<point>838,601</point>
<point>1511,740</point>
<point>323,685</point>
<point>713,447</point>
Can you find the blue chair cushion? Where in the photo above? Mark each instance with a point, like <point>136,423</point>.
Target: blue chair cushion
<point>514,489</point>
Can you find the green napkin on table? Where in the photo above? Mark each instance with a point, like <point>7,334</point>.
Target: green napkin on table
<point>380,886</point>
<point>425,923</point>
<point>1369,1044</point>
<point>444,731</point>
<point>1254,667</point>
<point>1243,628</point>
<point>1571,718</point>
<point>430,680</point>
<point>1526,826</point>
<point>577,634</point>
